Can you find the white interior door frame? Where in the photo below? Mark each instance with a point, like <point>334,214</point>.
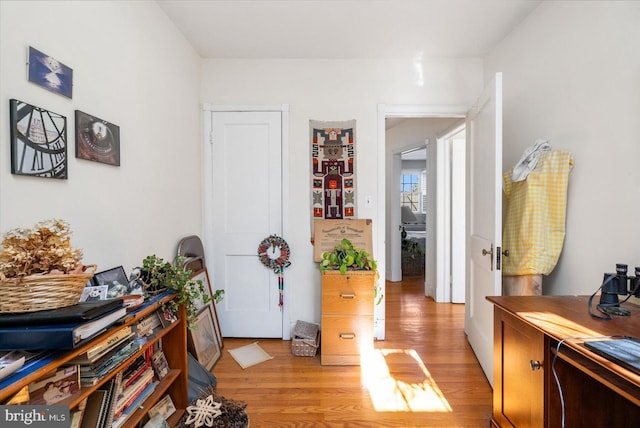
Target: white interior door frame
<point>444,221</point>
<point>405,111</point>
<point>394,272</point>
<point>207,188</point>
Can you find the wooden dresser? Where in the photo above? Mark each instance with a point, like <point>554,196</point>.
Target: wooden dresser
<point>596,391</point>
<point>347,316</point>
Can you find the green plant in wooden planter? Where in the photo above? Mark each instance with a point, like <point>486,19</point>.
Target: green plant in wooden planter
<point>346,256</point>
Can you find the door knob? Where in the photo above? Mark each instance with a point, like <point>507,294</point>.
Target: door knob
<point>535,365</point>
<point>487,252</point>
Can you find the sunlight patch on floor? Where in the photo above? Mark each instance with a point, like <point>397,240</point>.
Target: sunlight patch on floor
<point>398,381</point>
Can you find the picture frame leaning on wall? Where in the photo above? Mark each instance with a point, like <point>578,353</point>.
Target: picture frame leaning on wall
<point>203,275</point>
<point>202,341</point>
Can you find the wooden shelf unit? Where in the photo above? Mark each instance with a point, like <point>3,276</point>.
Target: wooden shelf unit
<point>174,345</point>
<point>596,392</point>
<point>347,316</point>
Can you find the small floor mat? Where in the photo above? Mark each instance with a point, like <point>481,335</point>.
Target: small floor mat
<point>249,355</point>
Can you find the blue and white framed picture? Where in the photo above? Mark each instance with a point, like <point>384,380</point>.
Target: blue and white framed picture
<point>50,73</point>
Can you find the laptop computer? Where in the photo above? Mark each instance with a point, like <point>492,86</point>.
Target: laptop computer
<point>623,351</point>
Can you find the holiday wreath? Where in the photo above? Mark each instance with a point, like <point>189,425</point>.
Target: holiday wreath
<point>273,252</point>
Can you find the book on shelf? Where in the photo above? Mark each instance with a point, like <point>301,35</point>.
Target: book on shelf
<point>113,390</point>
<point>97,412</point>
<point>10,362</point>
<point>76,415</point>
<point>92,373</point>
<point>151,302</point>
<point>92,409</point>
<point>55,336</point>
<point>128,395</point>
<point>160,365</point>
<point>78,313</point>
<point>33,360</point>
<point>106,345</point>
<point>147,325</point>
<point>56,387</point>
<point>136,404</point>
<point>164,407</point>
<point>136,368</point>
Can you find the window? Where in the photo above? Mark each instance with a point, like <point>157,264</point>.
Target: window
<point>410,192</point>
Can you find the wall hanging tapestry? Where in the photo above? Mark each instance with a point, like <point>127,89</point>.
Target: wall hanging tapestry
<point>333,175</point>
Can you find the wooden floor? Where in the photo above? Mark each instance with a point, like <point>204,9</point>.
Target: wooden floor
<point>423,375</point>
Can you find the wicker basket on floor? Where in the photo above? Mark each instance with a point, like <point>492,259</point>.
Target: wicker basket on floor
<point>306,339</point>
<point>41,292</point>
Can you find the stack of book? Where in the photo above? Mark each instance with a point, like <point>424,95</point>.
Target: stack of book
<point>106,356</point>
<point>113,403</point>
<point>63,328</point>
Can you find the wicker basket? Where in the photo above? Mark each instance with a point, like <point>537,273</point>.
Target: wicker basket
<point>41,292</point>
<point>306,339</point>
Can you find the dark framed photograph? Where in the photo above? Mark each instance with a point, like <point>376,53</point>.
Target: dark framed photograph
<point>202,341</point>
<point>38,141</point>
<point>115,279</point>
<point>51,74</point>
<point>203,275</point>
<point>97,140</point>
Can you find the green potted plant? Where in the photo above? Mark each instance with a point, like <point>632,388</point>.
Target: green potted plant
<point>158,275</point>
<point>347,257</point>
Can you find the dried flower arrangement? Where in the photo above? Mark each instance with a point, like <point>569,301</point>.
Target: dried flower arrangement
<point>45,248</point>
<point>40,270</point>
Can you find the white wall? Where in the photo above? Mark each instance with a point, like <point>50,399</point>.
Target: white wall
<point>333,90</point>
<point>572,75</point>
<point>131,67</point>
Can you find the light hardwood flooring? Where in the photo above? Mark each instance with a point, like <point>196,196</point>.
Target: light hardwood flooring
<point>424,374</point>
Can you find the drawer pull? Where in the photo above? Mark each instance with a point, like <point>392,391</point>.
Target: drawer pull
<point>535,365</point>
<point>348,296</point>
<point>347,336</point>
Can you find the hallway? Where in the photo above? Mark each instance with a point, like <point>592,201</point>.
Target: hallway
<point>423,375</point>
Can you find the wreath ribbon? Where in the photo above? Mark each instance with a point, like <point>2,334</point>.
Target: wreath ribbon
<point>266,254</point>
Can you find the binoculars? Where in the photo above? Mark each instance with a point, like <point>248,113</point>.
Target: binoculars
<point>619,283</point>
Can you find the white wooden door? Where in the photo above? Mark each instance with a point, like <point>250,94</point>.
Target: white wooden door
<point>484,220</point>
<point>246,202</point>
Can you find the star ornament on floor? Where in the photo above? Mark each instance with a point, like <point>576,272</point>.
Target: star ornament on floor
<point>203,413</point>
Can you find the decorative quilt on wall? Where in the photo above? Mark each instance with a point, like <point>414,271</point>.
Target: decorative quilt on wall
<point>333,170</point>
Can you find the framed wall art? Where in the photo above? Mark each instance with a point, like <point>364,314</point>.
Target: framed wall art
<point>38,141</point>
<point>51,74</point>
<point>97,140</point>
<point>203,275</point>
<point>202,341</point>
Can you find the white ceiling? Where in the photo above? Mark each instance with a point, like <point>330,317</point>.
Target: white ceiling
<point>342,29</point>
